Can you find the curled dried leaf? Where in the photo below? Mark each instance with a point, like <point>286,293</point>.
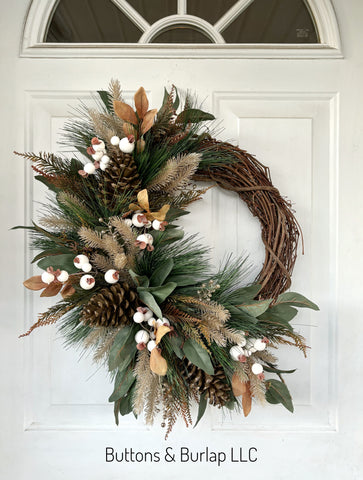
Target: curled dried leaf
<point>161,214</point>
<point>160,332</point>
<point>125,112</point>
<point>68,290</point>
<point>141,102</point>
<point>158,363</point>
<point>247,400</point>
<point>35,283</point>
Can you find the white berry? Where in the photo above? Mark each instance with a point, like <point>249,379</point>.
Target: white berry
<point>87,282</point>
<point>257,368</point>
<point>148,314</point>
<point>47,277</point>
<point>89,168</point>
<point>86,267</point>
<point>165,321</point>
<point>138,317</point>
<point>156,225</point>
<point>80,260</point>
<point>142,337</point>
<point>151,345</point>
<point>126,146</point>
<point>99,147</point>
<point>137,222</point>
<point>115,140</point>
<point>259,345</point>
<point>128,222</point>
<point>112,276</point>
<point>103,166</point>
<point>235,352</point>
<point>98,155</point>
<point>105,159</point>
<point>151,321</point>
<point>63,276</point>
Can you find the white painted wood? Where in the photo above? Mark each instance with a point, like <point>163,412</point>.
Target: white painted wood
<point>39,14</point>
<point>302,118</point>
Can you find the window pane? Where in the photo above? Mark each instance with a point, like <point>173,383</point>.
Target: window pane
<point>209,10</point>
<point>91,21</point>
<point>153,10</point>
<point>181,34</point>
<point>273,21</point>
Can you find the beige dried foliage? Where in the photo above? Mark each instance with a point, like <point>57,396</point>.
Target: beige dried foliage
<point>91,238</point>
<point>111,246</point>
<point>266,356</point>
<point>73,201</point>
<point>102,130</point>
<point>126,233</point>
<point>152,399</point>
<point>114,89</point>
<point>102,352</point>
<point>144,379</point>
<point>101,262</point>
<point>52,222</point>
<point>120,261</point>
<point>176,174</point>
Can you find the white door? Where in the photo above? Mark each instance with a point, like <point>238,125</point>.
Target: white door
<point>298,108</point>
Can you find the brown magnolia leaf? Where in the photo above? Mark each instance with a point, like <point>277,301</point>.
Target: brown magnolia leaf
<point>247,400</point>
<point>129,130</point>
<point>143,199</point>
<point>161,214</point>
<point>148,121</point>
<point>140,145</point>
<point>141,102</point>
<point>158,363</point>
<point>125,112</point>
<point>35,283</point>
<point>52,289</point>
<point>238,387</point>
<point>68,290</point>
<point>160,332</point>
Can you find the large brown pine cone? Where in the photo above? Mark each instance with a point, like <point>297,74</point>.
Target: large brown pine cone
<point>110,307</point>
<point>214,386</point>
<point>120,175</point>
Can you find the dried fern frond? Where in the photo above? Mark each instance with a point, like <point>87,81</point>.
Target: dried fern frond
<point>114,89</point>
<point>298,341</point>
<point>126,232</point>
<point>102,130</point>
<point>266,356</point>
<point>242,371</point>
<point>111,246</point>
<point>152,398</point>
<point>94,337</point>
<point>51,316</point>
<point>75,204</point>
<point>176,174</point>
<point>104,347</point>
<point>144,378</point>
<point>102,262</point>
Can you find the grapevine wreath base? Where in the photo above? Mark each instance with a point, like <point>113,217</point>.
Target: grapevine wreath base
<point>135,290</point>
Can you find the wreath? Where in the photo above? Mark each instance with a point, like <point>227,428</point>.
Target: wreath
<point>135,290</point>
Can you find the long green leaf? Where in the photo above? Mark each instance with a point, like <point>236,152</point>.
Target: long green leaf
<point>122,339</point>
<point>159,293</point>
<point>150,301</point>
<point>277,392</point>
<point>256,308</point>
<point>193,115</point>
<point>123,382</point>
<point>176,343</point>
<point>161,273</point>
<point>198,355</point>
<point>63,262</point>
<point>244,295</point>
<point>296,300</point>
<point>50,252</point>
<point>202,408</point>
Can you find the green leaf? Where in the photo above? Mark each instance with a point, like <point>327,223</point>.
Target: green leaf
<point>202,408</point>
<point>116,410</point>
<point>170,235</point>
<point>296,300</point>
<point>139,280</point>
<point>183,280</point>
<point>256,308</point>
<point>150,301</point>
<point>105,97</point>
<point>50,252</point>
<point>125,405</point>
<point>277,392</point>
<point>175,213</point>
<point>23,227</point>
<point>45,182</point>
<point>123,382</point>
<point>239,314</point>
<point>159,293</point>
<point>284,312</point>
<point>243,295</point>
<point>177,99</point>
<point>176,343</point>
<point>63,262</point>
<point>193,115</point>
<point>119,347</point>
<point>160,274</point>
<point>198,355</point>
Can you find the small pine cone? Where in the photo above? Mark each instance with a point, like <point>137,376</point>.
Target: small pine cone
<point>120,175</point>
<point>111,307</point>
<point>215,386</point>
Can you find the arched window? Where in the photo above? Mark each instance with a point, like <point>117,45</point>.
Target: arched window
<point>232,25</point>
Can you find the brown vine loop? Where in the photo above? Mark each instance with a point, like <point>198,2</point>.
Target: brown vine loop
<point>280,230</point>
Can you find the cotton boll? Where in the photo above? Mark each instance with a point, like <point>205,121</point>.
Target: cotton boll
<point>47,277</point>
<point>259,345</point>
<point>236,352</point>
<point>151,345</point>
<point>87,282</point>
<point>142,336</point>
<point>112,276</point>
<point>89,168</point>
<point>105,159</point>
<point>63,276</point>
<point>149,314</point>
<point>126,145</point>
<point>257,368</point>
<point>80,260</point>
<point>138,317</point>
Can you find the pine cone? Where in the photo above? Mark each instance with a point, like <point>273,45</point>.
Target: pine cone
<point>120,175</point>
<point>111,306</point>
<point>215,386</point>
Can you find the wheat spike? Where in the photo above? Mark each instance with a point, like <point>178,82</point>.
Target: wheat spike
<point>114,89</point>
<point>144,378</point>
<point>152,399</point>
<point>111,246</point>
<point>94,337</point>
<point>105,345</point>
<point>176,174</point>
<point>101,262</point>
<point>126,233</point>
<point>241,370</point>
<point>266,356</point>
<point>53,222</point>
<point>102,130</point>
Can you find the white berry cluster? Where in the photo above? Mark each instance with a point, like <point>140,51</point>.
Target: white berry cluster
<point>88,281</point>
<point>245,348</point>
<point>126,144</point>
<point>98,152</point>
<point>146,337</point>
<point>49,276</point>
